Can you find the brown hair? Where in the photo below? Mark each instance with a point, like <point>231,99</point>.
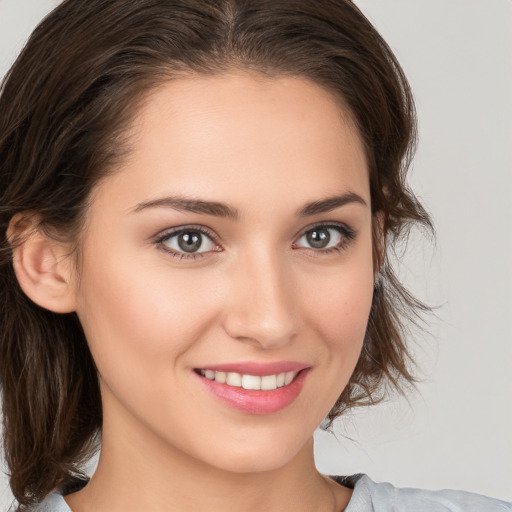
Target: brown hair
<point>64,106</point>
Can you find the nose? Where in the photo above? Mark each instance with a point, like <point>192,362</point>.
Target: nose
<point>262,307</point>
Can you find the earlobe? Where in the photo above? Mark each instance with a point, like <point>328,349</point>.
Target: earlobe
<point>42,265</point>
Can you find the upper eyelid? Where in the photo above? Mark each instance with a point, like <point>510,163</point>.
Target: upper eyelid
<point>326,224</point>
<point>167,233</point>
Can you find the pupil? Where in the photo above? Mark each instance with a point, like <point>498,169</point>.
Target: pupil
<point>319,238</point>
<point>189,241</point>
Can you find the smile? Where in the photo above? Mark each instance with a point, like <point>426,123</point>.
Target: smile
<point>254,382</point>
<point>255,388</point>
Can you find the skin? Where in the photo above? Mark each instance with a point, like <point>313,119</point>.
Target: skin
<point>258,292</point>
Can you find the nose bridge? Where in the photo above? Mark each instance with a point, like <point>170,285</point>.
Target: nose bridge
<point>263,303</point>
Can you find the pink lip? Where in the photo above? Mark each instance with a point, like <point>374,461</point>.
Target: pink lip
<point>255,401</point>
<point>262,369</point>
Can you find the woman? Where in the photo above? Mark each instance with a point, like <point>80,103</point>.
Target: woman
<point>197,202</point>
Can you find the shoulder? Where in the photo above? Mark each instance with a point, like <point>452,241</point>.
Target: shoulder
<point>53,503</point>
<point>370,496</point>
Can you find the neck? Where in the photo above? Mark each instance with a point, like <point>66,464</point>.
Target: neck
<point>137,471</point>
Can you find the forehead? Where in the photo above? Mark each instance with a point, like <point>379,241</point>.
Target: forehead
<point>242,137</point>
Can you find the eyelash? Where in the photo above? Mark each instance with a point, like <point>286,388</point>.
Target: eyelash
<point>164,237</point>
<point>347,234</point>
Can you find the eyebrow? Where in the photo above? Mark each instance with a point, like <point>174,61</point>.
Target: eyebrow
<point>330,203</point>
<point>184,204</point>
<point>223,210</point>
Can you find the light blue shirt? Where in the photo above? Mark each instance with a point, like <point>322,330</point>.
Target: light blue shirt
<point>370,496</point>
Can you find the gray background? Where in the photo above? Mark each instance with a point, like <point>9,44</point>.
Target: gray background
<point>456,430</point>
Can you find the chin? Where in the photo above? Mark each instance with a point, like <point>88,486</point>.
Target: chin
<point>253,464</point>
<point>255,457</point>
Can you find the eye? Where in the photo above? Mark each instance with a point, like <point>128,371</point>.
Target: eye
<point>187,242</point>
<point>326,237</point>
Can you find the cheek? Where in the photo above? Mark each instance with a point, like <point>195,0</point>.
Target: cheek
<point>140,326</point>
<point>136,313</point>
<point>344,330</point>
<point>338,310</point>
<point>348,311</point>
<point>340,307</point>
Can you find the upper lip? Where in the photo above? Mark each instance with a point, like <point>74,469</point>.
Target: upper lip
<point>256,368</point>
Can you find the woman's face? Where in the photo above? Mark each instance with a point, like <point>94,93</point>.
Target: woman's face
<point>234,242</point>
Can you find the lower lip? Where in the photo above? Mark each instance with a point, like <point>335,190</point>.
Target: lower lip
<point>256,401</point>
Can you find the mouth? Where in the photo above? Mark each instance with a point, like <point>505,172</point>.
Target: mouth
<point>255,389</point>
<point>246,381</point>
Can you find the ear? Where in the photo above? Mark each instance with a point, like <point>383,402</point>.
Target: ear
<point>43,266</point>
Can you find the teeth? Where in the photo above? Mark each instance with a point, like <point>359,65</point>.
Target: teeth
<point>269,382</point>
<point>234,379</point>
<point>265,382</point>
<point>251,382</point>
